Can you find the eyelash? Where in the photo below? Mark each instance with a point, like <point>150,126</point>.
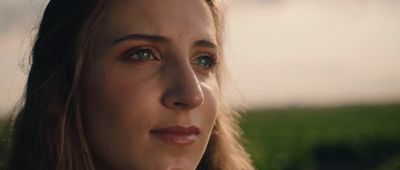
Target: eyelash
<point>154,54</point>
<point>212,61</point>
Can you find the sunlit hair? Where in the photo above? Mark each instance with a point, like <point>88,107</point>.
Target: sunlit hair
<point>48,131</point>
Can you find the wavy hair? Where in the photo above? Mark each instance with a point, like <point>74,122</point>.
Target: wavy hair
<point>48,131</point>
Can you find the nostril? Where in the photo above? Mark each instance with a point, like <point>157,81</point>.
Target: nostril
<point>181,105</point>
<point>183,90</point>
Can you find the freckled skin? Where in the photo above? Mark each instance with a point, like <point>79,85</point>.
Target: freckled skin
<point>124,100</point>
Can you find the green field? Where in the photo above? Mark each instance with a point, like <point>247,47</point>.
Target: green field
<point>345,138</point>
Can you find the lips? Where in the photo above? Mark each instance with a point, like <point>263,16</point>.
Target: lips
<point>177,135</point>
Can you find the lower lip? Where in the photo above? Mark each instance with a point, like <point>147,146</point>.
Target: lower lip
<point>176,139</point>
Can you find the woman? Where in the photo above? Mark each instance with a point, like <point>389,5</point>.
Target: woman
<point>127,84</point>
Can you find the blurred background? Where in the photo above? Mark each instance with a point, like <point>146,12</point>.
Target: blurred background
<point>318,80</point>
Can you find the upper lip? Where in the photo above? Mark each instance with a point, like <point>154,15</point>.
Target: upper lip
<point>180,130</point>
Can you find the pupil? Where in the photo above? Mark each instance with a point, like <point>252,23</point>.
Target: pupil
<point>144,54</point>
<point>204,62</point>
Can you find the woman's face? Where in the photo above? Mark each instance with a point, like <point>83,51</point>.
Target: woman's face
<point>150,87</point>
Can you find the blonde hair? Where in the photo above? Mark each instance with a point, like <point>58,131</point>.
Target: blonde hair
<point>48,131</point>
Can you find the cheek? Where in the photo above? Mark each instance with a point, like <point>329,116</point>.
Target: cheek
<point>210,108</point>
<point>117,105</point>
<point>120,93</point>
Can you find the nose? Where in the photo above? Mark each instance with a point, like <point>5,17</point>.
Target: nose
<point>183,90</point>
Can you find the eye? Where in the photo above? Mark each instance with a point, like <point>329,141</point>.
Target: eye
<point>205,61</point>
<point>141,54</point>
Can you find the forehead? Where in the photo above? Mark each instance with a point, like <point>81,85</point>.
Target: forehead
<point>178,19</point>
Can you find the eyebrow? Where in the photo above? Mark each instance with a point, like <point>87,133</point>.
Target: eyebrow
<point>160,39</point>
<point>205,43</point>
<point>143,37</point>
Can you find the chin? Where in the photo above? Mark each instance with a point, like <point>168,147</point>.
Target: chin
<point>178,164</point>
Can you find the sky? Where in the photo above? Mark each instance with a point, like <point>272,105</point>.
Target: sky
<point>315,52</point>
<point>279,53</point>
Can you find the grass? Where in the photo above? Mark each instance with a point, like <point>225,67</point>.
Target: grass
<point>358,137</point>
<point>344,138</point>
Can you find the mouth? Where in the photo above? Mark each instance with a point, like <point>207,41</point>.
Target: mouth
<point>177,135</point>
